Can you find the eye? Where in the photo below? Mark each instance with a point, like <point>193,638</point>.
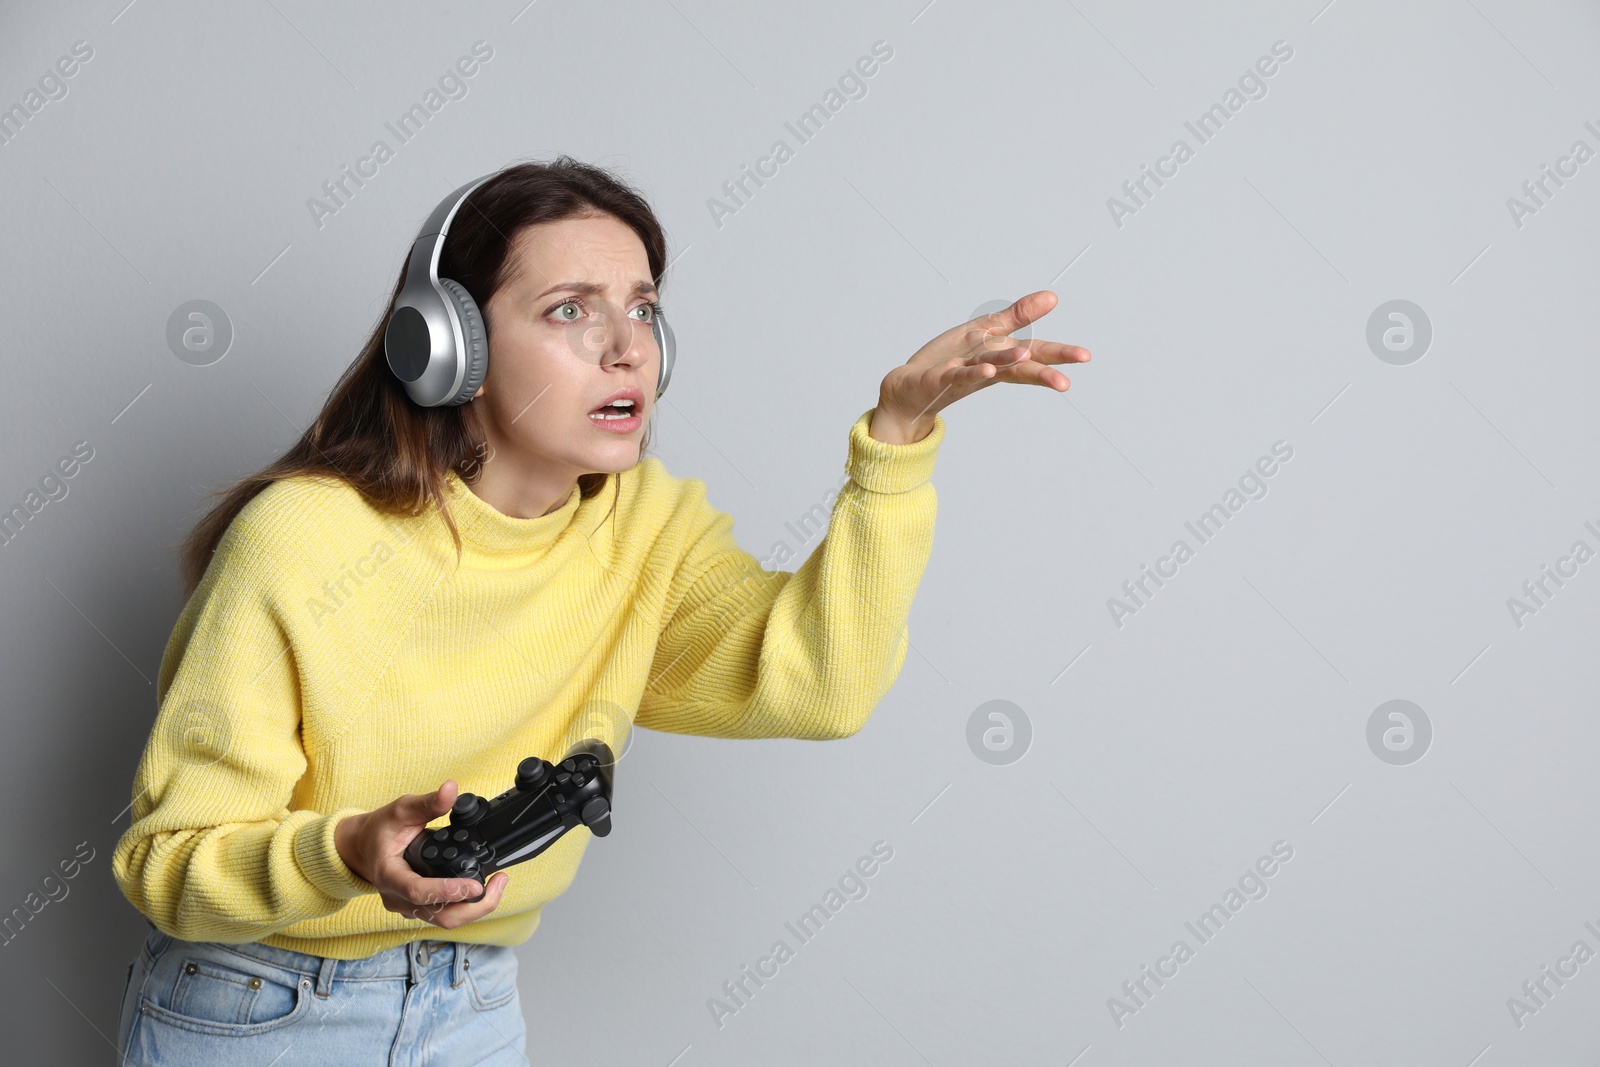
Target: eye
<point>559,308</point>
<point>654,309</point>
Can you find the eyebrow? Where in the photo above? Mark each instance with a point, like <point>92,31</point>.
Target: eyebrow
<point>594,288</point>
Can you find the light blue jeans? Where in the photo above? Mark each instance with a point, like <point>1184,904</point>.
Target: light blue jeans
<point>429,1003</point>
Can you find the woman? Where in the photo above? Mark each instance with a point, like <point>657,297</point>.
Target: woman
<point>416,594</point>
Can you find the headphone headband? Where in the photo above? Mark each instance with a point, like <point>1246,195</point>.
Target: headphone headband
<point>436,342</point>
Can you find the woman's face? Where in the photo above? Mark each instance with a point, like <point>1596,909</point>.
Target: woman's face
<point>567,332</point>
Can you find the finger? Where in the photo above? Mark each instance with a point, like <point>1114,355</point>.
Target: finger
<point>1041,350</point>
<point>403,907</point>
<point>401,881</point>
<point>427,902</point>
<point>1004,357</point>
<point>967,379</point>
<point>1055,351</point>
<point>419,809</point>
<point>978,343</point>
<point>443,798</point>
<point>1031,373</point>
<point>1026,309</point>
<point>959,372</point>
<point>460,914</point>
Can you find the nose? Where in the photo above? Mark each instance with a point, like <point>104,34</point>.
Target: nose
<point>614,337</point>
<point>627,341</point>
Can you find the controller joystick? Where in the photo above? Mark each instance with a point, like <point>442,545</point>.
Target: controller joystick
<point>468,810</point>
<point>485,836</point>
<point>531,771</point>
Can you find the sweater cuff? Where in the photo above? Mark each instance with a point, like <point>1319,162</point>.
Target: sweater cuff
<point>885,468</point>
<point>319,859</point>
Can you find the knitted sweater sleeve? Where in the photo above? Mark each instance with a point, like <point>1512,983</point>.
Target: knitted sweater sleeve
<point>747,652</point>
<point>214,852</point>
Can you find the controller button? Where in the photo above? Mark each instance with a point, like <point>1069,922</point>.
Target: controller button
<point>459,835</point>
<point>561,779</point>
<point>451,852</point>
<point>597,816</point>
<point>578,780</point>
<point>530,772</point>
<point>431,852</point>
<point>570,765</point>
<point>441,834</point>
<point>561,798</point>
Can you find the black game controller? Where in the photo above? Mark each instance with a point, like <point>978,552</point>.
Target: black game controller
<point>485,836</point>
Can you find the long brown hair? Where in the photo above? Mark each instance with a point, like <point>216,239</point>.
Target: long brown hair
<point>369,433</point>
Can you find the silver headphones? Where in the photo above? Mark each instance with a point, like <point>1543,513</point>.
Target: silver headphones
<point>436,342</point>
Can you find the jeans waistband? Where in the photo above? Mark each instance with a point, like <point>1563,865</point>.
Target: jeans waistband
<point>412,960</point>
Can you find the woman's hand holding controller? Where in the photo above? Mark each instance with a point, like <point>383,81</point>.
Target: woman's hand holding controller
<point>373,845</point>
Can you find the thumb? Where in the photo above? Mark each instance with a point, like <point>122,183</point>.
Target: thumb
<point>421,808</point>
<point>495,889</point>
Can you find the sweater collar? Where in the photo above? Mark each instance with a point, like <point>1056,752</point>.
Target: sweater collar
<point>488,532</point>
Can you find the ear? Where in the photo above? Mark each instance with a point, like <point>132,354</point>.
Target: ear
<point>478,393</point>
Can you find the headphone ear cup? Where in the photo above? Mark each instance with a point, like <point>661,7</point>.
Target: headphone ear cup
<point>472,328</point>
<point>668,346</point>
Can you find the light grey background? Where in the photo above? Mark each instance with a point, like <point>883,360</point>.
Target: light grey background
<point>1230,312</point>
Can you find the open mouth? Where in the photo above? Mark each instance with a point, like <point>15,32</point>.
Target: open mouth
<point>616,411</point>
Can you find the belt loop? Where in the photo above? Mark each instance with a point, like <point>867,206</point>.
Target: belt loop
<point>458,969</point>
<point>417,957</point>
<point>325,977</point>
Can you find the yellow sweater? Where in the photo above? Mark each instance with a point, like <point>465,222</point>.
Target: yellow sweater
<point>333,658</point>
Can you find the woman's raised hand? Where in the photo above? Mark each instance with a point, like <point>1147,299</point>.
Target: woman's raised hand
<point>967,358</point>
<point>373,845</point>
